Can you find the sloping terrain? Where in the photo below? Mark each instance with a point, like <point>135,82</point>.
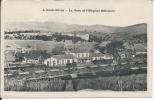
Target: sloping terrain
<point>61,27</point>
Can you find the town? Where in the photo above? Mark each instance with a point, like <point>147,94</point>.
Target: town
<point>36,55</point>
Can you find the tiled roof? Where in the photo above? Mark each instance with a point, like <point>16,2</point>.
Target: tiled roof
<point>85,58</point>
<point>67,56</point>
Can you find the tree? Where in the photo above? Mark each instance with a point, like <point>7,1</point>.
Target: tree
<point>113,47</point>
<point>58,50</point>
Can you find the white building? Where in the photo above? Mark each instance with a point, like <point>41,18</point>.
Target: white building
<point>83,36</point>
<point>60,60</point>
<point>82,55</point>
<point>76,55</point>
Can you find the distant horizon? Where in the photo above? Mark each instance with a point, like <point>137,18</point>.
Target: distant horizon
<point>77,24</point>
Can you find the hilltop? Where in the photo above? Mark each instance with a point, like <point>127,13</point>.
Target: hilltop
<point>61,27</point>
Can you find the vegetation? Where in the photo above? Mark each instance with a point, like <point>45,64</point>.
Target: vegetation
<point>115,83</point>
<point>41,85</point>
<point>58,37</point>
<point>58,50</point>
<point>22,31</point>
<point>108,77</point>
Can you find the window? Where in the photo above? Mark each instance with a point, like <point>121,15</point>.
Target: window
<point>53,63</point>
<point>78,55</point>
<point>86,54</point>
<point>58,61</point>
<point>83,55</point>
<point>62,62</point>
<point>68,61</point>
<point>47,63</point>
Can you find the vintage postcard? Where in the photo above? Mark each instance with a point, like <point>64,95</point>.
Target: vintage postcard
<point>76,48</point>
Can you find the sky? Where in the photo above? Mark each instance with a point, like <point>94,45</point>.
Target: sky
<point>126,12</point>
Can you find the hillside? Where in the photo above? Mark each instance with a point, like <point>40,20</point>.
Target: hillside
<point>61,27</point>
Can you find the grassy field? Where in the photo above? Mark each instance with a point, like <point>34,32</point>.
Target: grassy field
<point>35,44</point>
<point>116,83</point>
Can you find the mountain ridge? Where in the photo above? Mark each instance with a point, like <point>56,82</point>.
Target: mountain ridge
<point>140,28</point>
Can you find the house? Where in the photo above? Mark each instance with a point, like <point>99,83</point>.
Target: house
<point>82,55</point>
<point>32,60</point>
<point>100,56</point>
<point>35,57</point>
<point>60,60</point>
<point>31,57</point>
<point>83,36</point>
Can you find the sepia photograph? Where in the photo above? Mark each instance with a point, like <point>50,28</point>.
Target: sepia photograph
<point>79,58</point>
<point>75,46</point>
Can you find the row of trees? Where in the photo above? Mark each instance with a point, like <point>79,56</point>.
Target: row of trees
<point>23,31</point>
<point>31,37</point>
<point>56,37</point>
<point>60,37</point>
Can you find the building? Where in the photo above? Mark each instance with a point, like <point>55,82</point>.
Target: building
<point>100,56</point>
<point>78,56</point>
<point>32,60</point>
<point>60,60</point>
<point>83,36</point>
<point>82,55</point>
<point>31,57</point>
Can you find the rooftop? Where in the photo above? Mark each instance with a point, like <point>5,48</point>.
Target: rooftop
<point>64,56</point>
